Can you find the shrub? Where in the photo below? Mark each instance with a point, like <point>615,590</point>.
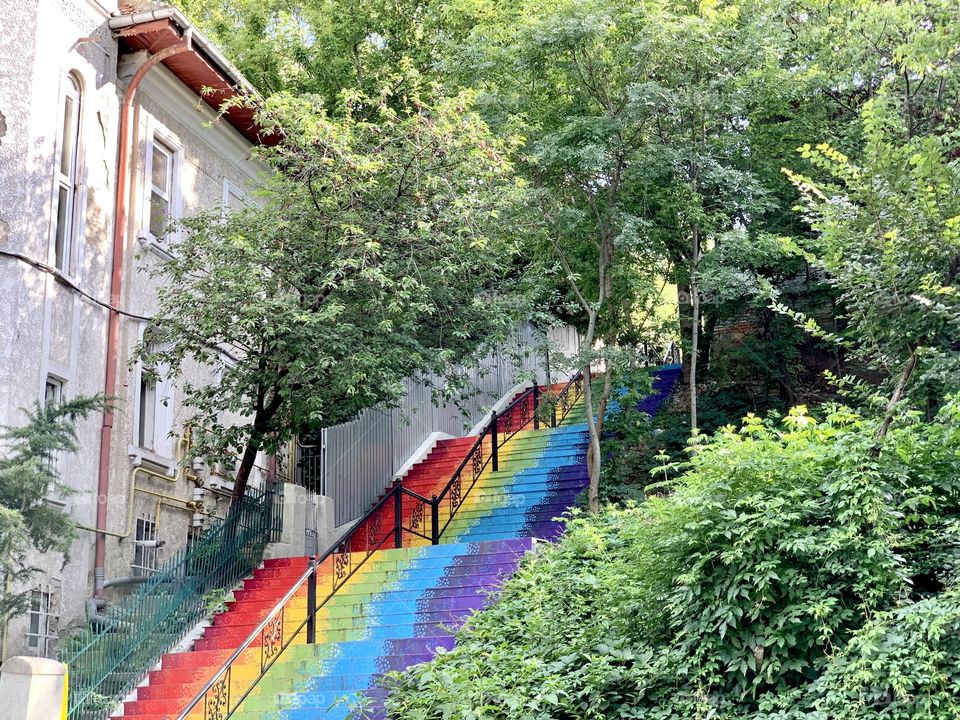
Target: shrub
<point>634,440</point>
<point>903,665</point>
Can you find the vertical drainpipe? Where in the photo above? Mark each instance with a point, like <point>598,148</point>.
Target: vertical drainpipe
<point>116,280</point>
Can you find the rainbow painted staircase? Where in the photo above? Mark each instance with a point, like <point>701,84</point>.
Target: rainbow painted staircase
<point>382,607</point>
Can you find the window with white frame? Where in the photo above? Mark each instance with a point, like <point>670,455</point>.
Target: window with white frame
<point>144,547</point>
<point>233,199</point>
<point>147,409</point>
<point>52,390</point>
<point>153,416</point>
<point>53,394</point>
<point>163,185</point>
<point>68,178</point>
<point>44,620</point>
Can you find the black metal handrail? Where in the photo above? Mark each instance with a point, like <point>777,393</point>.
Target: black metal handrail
<point>368,535</point>
<point>271,635</point>
<point>564,402</point>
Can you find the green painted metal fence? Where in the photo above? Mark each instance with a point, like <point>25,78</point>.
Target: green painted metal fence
<point>109,659</point>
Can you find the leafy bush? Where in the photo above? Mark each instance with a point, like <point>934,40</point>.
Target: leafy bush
<point>768,581</point>
<point>903,665</point>
<point>634,441</point>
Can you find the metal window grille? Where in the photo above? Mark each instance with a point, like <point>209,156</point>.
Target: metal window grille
<point>44,620</point>
<point>145,556</point>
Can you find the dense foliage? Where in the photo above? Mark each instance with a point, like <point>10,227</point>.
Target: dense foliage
<point>791,168</point>
<point>791,572</point>
<point>379,251</point>
<point>888,237</point>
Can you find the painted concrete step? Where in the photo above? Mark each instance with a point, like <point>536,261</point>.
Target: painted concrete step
<point>375,620</point>
<point>438,467</point>
<point>505,475</point>
<point>501,505</point>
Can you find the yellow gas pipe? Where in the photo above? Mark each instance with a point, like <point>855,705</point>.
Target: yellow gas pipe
<point>183,448</point>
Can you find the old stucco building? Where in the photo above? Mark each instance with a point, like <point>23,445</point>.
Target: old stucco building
<point>69,241</point>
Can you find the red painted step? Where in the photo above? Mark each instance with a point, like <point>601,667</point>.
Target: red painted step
<point>181,675</point>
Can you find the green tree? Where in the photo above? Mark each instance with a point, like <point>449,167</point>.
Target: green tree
<point>382,248</point>
<point>324,47</point>
<point>29,477</point>
<point>888,237</point>
<point>630,114</point>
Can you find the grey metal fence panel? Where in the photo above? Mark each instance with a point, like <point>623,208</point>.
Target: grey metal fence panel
<point>362,456</point>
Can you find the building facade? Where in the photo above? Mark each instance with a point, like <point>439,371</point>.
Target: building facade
<point>68,239</point>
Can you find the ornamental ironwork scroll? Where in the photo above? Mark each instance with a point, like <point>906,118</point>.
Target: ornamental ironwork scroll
<point>416,518</point>
<point>526,411</point>
<point>272,639</point>
<point>477,461</point>
<point>341,561</point>
<point>217,705</point>
<point>373,530</point>
<point>456,490</point>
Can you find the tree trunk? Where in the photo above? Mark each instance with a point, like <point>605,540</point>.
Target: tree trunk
<point>685,319</point>
<point>695,330</point>
<point>593,456</point>
<point>593,453</point>
<point>897,396</point>
<point>705,345</point>
<point>243,472</point>
<point>604,400</point>
<point>693,358</point>
<point>261,424</point>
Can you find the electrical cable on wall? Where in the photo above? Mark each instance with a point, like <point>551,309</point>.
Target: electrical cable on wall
<point>59,276</point>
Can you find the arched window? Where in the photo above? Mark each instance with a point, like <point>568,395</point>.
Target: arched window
<point>68,175</point>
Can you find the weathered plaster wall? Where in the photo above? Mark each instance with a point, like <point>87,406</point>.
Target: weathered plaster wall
<point>211,155</point>
<point>49,328</point>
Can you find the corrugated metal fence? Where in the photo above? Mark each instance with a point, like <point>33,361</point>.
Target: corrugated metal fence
<point>358,459</point>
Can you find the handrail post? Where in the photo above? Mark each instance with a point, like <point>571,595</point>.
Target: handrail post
<point>312,602</point>
<point>435,520</point>
<point>536,405</point>
<point>397,515</point>
<point>493,443</point>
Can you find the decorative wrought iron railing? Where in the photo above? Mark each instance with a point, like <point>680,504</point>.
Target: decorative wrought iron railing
<point>400,518</point>
<point>108,660</point>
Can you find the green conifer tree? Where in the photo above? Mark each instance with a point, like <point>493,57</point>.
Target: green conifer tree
<point>29,475</point>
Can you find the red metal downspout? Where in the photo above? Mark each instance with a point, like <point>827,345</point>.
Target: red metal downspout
<point>116,280</point>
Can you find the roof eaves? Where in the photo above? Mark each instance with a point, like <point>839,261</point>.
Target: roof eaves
<point>118,23</point>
